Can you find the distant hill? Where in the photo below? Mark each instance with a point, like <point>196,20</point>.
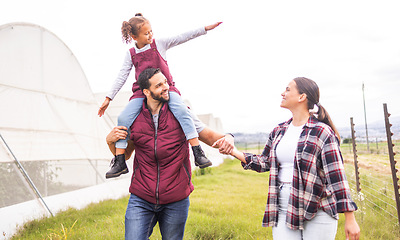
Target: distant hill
<point>376,130</point>
<point>251,138</point>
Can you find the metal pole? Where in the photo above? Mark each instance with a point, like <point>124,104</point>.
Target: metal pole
<point>365,118</point>
<point>391,158</point>
<point>353,137</point>
<point>21,168</point>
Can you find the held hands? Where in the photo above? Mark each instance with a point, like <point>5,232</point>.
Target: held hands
<point>211,27</point>
<point>225,144</point>
<point>103,107</point>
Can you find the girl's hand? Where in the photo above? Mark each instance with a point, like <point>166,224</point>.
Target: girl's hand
<point>211,27</point>
<point>103,107</point>
<point>351,227</point>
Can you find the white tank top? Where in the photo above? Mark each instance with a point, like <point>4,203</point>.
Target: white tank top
<point>286,151</point>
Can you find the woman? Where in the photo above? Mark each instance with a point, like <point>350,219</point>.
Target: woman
<point>307,182</point>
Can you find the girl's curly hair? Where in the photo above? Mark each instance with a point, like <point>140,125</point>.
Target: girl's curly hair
<point>132,27</point>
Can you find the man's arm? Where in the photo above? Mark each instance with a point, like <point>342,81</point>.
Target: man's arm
<point>225,143</point>
<point>116,134</point>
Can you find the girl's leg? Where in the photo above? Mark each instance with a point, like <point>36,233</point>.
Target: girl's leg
<point>199,125</point>
<point>126,118</point>
<point>182,114</point>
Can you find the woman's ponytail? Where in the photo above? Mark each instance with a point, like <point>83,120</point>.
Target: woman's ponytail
<point>310,88</point>
<point>323,116</point>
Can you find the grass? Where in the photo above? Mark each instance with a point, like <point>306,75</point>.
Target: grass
<point>227,203</point>
<point>103,220</point>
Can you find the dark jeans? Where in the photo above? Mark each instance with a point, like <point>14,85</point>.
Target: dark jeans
<point>141,217</point>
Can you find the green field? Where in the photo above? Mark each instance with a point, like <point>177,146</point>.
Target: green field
<point>228,203</point>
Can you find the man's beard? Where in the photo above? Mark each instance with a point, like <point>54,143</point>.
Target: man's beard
<point>159,97</point>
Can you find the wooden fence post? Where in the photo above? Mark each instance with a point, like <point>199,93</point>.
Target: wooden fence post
<point>391,158</point>
<point>353,139</point>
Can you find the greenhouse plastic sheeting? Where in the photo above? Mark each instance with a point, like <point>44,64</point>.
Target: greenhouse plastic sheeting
<point>48,120</point>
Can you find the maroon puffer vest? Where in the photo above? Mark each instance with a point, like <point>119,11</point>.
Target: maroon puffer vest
<point>150,58</point>
<point>161,168</point>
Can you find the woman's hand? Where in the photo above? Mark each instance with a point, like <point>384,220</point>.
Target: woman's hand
<point>211,27</point>
<point>351,227</point>
<point>103,107</point>
<point>225,145</point>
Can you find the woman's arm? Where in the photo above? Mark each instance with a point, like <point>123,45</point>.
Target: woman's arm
<point>239,155</point>
<point>351,227</point>
<point>254,162</point>
<point>258,163</point>
<point>333,168</point>
<point>332,164</point>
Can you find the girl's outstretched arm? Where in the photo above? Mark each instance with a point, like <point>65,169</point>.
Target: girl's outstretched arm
<point>211,27</point>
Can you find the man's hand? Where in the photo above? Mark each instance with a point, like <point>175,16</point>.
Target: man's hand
<point>103,107</point>
<point>211,27</point>
<point>117,133</point>
<point>225,144</point>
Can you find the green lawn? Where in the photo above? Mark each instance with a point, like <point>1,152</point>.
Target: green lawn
<point>227,203</point>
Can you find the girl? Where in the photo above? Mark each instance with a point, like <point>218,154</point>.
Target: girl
<point>307,182</point>
<point>147,53</point>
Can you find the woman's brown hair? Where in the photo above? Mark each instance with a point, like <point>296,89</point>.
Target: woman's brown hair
<point>310,88</point>
<point>132,27</point>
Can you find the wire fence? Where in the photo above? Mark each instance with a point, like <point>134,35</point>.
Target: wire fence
<point>374,180</point>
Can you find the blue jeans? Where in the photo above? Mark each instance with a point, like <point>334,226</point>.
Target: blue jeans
<point>182,114</point>
<point>141,217</point>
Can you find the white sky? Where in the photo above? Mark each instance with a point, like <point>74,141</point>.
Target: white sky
<point>238,70</point>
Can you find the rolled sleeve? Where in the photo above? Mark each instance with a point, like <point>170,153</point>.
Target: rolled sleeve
<point>258,163</point>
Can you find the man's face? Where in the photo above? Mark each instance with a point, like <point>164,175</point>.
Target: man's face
<point>159,88</point>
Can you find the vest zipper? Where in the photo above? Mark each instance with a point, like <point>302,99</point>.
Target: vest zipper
<point>155,152</point>
<point>155,155</point>
<point>158,166</point>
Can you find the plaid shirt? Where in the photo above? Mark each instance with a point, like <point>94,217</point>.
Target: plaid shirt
<point>319,180</point>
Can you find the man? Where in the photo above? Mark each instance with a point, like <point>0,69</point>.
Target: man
<point>161,178</point>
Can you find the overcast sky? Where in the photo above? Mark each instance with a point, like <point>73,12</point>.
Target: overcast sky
<point>238,70</point>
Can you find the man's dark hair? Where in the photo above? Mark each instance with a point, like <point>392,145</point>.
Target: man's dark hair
<point>143,79</point>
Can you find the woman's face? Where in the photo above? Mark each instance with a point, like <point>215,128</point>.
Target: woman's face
<point>291,96</point>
